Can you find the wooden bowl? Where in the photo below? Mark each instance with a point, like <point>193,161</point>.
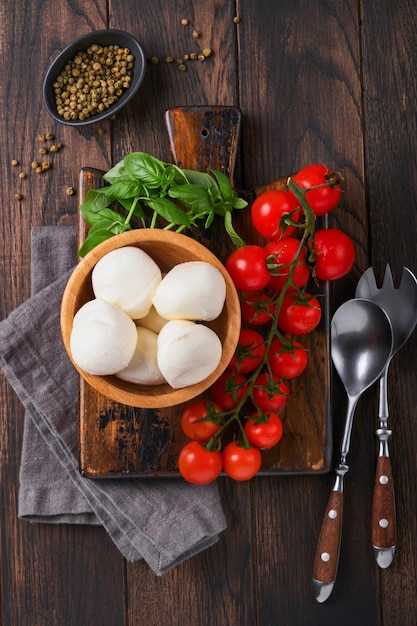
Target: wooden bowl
<point>167,249</point>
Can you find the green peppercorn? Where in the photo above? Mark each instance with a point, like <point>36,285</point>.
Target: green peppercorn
<point>84,86</point>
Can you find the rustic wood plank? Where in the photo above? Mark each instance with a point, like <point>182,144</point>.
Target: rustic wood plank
<point>306,108</point>
<point>49,574</point>
<point>209,588</point>
<point>389,48</point>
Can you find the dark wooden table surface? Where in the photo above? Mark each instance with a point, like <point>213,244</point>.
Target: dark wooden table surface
<point>330,81</point>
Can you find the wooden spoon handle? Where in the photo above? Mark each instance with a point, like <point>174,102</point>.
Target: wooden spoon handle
<point>328,547</point>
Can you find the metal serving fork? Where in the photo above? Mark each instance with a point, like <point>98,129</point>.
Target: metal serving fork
<point>400,304</point>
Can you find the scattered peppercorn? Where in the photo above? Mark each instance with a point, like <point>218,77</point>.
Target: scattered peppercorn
<point>34,165</point>
<point>59,146</point>
<point>196,34</point>
<point>15,162</point>
<point>92,81</point>
<point>236,20</point>
<point>193,56</point>
<point>182,67</point>
<point>207,52</point>
<point>101,131</point>
<point>18,196</point>
<point>169,59</point>
<point>154,60</point>
<point>46,165</point>
<point>43,151</point>
<point>53,148</point>
<point>41,138</point>
<point>49,136</point>
<point>201,57</point>
<point>22,175</point>
<point>39,169</point>
<point>69,191</point>
<point>184,22</point>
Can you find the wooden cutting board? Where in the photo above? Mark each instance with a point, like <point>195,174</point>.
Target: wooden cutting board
<point>122,441</point>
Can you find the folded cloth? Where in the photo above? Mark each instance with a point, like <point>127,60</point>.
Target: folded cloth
<point>163,521</point>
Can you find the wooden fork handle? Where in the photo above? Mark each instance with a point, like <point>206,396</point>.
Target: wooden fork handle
<point>383,513</point>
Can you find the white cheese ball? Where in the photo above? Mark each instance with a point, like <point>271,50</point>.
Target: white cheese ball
<point>194,290</point>
<point>153,321</point>
<point>127,277</point>
<point>187,352</point>
<point>143,368</point>
<point>103,338</point>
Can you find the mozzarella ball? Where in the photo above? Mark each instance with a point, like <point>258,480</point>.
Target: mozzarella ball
<point>194,290</point>
<point>143,368</point>
<point>187,352</point>
<point>127,277</point>
<point>153,321</point>
<point>103,338</point>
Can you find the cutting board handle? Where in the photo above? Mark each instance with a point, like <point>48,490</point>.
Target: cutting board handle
<point>202,137</point>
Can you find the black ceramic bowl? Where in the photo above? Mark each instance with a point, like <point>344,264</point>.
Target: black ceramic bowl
<point>103,38</point>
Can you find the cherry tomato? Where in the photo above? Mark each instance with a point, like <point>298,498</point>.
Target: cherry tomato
<point>249,351</point>
<point>257,308</point>
<point>241,463</point>
<point>268,210</point>
<point>335,253</point>
<point>325,198</point>
<point>198,465</point>
<point>287,362</point>
<point>281,255</point>
<point>191,418</point>
<point>299,315</point>
<point>247,268</point>
<point>264,431</point>
<point>229,389</point>
<point>269,393</point>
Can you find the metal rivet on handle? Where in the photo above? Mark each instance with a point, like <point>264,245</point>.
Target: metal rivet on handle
<point>325,556</point>
<point>332,514</point>
<point>383,523</point>
<point>383,479</point>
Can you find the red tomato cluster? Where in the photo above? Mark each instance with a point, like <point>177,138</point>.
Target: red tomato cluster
<point>277,310</point>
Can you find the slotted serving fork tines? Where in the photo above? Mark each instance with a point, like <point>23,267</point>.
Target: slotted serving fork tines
<point>400,304</point>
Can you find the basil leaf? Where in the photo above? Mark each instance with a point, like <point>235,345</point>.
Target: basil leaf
<point>116,172</point>
<point>198,178</point>
<point>209,220</point>
<point>147,169</point>
<point>169,211</point>
<point>125,188</point>
<point>192,196</point>
<point>127,204</point>
<point>239,203</point>
<point>94,201</point>
<point>99,233</point>
<point>225,185</point>
<point>236,239</point>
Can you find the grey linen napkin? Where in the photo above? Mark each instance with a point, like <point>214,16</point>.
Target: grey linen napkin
<point>163,521</point>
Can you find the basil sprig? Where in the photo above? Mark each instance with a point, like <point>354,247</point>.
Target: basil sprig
<point>151,190</point>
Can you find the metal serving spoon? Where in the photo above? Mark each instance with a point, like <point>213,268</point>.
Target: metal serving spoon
<point>361,344</point>
<point>400,304</point>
